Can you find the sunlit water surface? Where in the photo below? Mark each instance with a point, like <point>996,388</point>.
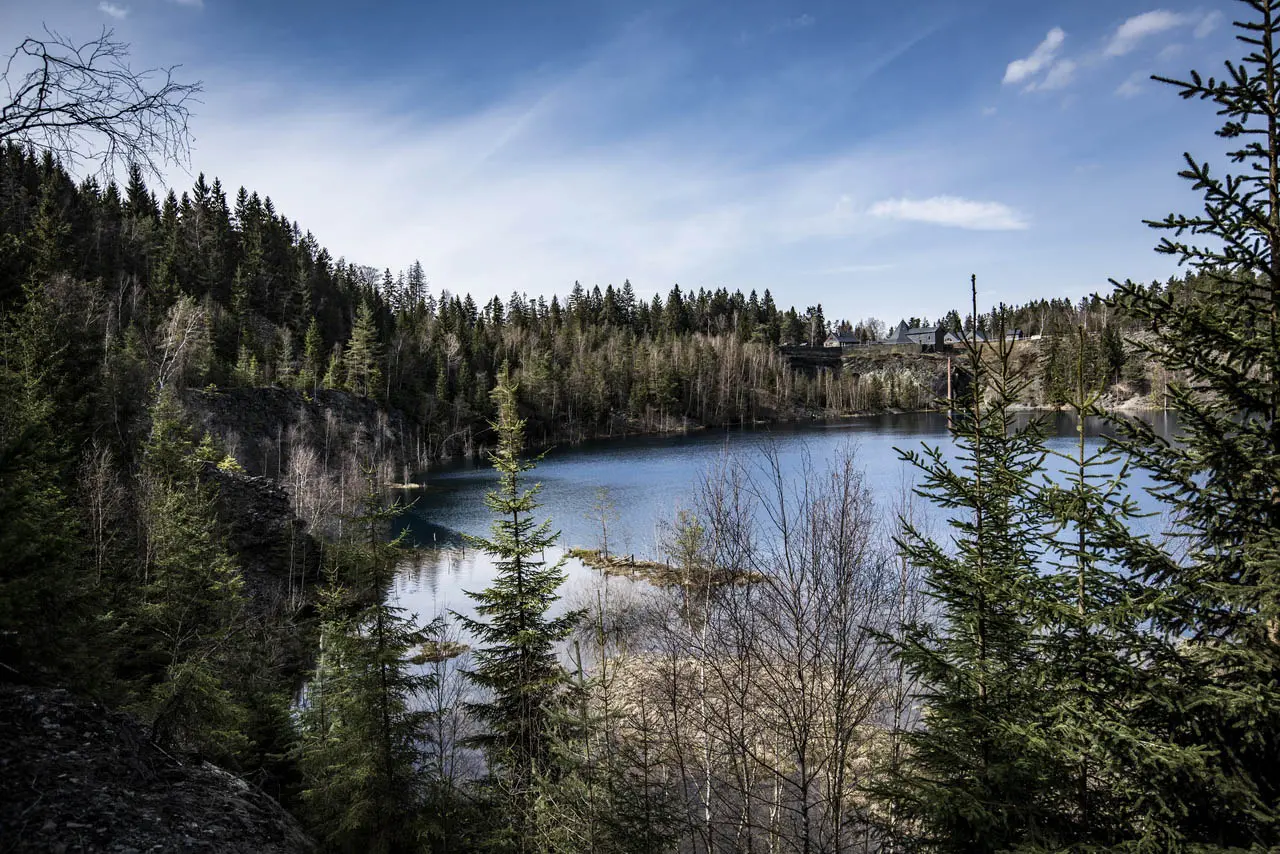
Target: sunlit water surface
<point>648,480</point>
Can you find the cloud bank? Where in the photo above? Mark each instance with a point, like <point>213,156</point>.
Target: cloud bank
<point>1133,31</point>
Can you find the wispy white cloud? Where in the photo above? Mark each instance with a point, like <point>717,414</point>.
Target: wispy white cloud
<point>505,198</point>
<point>1133,85</point>
<point>117,12</point>
<point>803,21</point>
<point>1134,30</point>
<point>1044,70</point>
<point>1208,24</point>
<point>1060,74</point>
<point>1024,69</point>
<point>952,211</point>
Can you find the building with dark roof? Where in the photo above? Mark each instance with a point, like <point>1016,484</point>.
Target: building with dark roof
<point>930,338</point>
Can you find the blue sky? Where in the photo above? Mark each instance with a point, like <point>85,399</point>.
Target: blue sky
<point>865,155</point>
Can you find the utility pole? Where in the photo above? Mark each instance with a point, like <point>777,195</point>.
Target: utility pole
<point>948,383</point>
<point>950,405</point>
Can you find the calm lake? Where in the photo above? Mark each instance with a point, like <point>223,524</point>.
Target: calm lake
<point>648,480</point>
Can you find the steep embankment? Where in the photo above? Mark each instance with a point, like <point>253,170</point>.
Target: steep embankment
<point>897,380</point>
<point>75,777</point>
<point>270,543</point>
<point>886,378</point>
<point>872,379</point>
<point>279,560</point>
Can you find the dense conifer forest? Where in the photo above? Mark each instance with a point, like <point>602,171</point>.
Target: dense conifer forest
<point>259,302</point>
<point>1034,674</point>
<point>254,301</point>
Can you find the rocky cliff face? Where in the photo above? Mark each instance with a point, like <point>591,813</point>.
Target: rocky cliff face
<point>893,380</point>
<point>264,427</point>
<point>75,777</point>
<point>276,553</point>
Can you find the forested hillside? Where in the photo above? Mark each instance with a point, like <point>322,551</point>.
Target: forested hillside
<point>198,289</point>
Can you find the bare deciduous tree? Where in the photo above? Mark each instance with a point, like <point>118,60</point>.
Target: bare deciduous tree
<point>83,102</point>
<point>104,498</point>
<point>602,512</point>
<point>768,703</point>
<point>449,763</point>
<point>184,343</point>
<point>911,606</point>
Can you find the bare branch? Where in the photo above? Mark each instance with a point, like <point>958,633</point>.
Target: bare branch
<point>83,103</point>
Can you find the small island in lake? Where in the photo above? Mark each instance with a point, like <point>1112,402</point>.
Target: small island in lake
<point>663,574</point>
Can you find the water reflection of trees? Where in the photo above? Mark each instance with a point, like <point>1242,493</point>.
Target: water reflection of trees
<point>423,568</point>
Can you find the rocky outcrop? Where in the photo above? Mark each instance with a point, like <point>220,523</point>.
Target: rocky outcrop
<point>894,380</point>
<point>273,547</point>
<point>75,777</point>
<point>263,427</point>
<point>280,563</point>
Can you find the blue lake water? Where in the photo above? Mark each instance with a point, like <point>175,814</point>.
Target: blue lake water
<point>648,480</point>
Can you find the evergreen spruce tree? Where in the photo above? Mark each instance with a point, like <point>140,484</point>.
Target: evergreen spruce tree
<point>48,237</point>
<point>1094,651</point>
<point>359,752</point>
<point>516,661</point>
<point>333,371</point>
<point>310,370</point>
<point>190,608</point>
<point>247,373</point>
<point>39,552</point>
<point>970,780</point>
<point>1221,479</point>
<point>363,375</point>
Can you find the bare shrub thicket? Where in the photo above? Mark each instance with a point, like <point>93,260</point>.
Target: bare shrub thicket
<point>765,708</point>
<point>326,482</point>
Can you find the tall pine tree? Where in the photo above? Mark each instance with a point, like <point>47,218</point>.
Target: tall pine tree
<point>969,781</point>
<point>516,662</point>
<point>190,611</point>
<point>1094,653</point>
<point>359,751</point>
<point>39,534</point>
<point>363,356</point>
